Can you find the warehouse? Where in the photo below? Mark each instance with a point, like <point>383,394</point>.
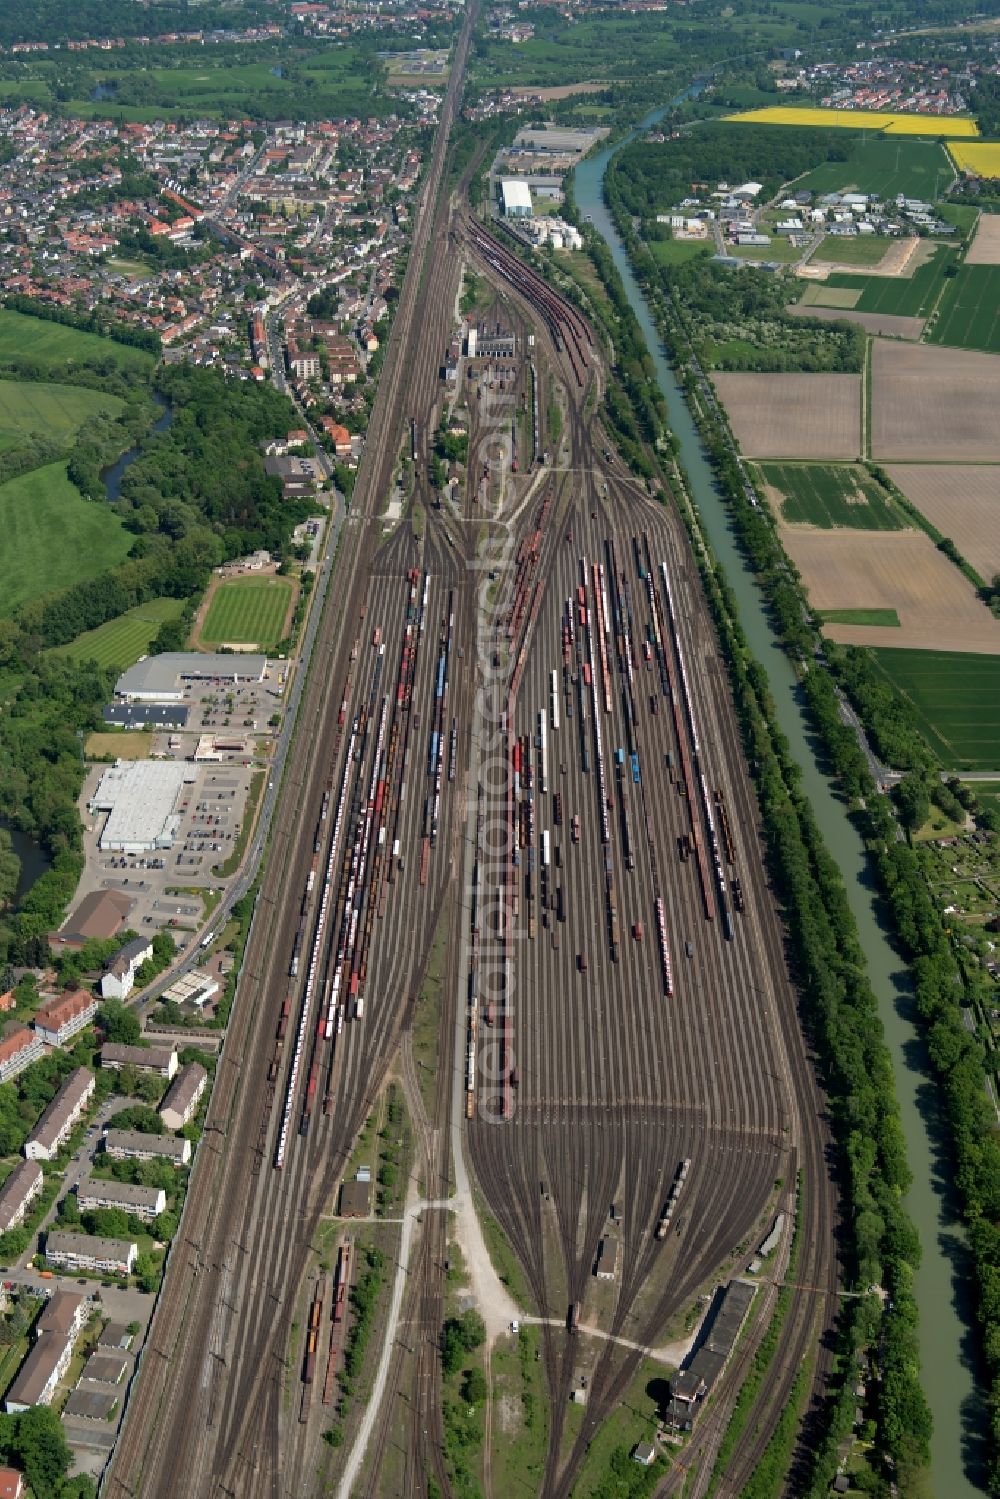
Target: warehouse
<point>141,800</point>
<point>163,679</point>
<point>56,1124</point>
<point>515,198</point>
<point>724,1324</point>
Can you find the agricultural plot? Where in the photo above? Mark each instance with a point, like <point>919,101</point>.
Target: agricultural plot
<point>968,315</point>
<point>52,536</point>
<point>901,570</point>
<point>962,500</point>
<point>829,496</point>
<point>872,322</point>
<point>794,416</point>
<point>247,611</point>
<point>985,247</point>
<point>899,296</point>
<point>957,702</point>
<point>120,642</point>
<point>917,169</point>
<point>951,126</point>
<point>934,405</point>
<point>884,617</point>
<point>861,249</point>
<point>56,412</point>
<point>51,344</point>
<point>982,158</point>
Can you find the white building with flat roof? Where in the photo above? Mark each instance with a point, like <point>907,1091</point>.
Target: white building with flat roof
<point>163,678</point>
<point>140,798</point>
<point>515,198</point>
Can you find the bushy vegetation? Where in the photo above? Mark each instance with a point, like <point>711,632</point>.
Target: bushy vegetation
<point>364,1300</point>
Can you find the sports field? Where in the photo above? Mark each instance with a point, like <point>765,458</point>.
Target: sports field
<point>968,315</point>
<point>830,495</point>
<point>951,126</point>
<point>48,344</point>
<point>52,536</point>
<point>901,296</point>
<point>957,702</point>
<point>982,158</point>
<point>247,611</point>
<point>917,169</point>
<point>121,641</point>
<point>54,411</point>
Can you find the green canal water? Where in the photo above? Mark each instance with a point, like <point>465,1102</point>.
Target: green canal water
<point>949,1367</point>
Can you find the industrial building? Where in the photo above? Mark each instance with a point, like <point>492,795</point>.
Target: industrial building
<point>56,1123</point>
<point>130,1144</point>
<point>162,679</point>
<point>183,1096</point>
<point>140,798</point>
<point>60,1019</point>
<point>146,1203</point>
<point>88,1252</point>
<point>192,989</point>
<point>18,1192</point>
<point>100,914</point>
<point>146,715</point>
<point>515,198</point>
<point>695,1380</point>
<point>158,1059</point>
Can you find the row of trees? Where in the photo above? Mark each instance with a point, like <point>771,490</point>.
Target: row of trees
<point>98,321</point>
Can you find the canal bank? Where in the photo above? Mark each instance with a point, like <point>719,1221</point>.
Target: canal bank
<point>946,1333</point>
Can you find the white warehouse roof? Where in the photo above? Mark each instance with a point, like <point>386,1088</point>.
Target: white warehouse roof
<point>516,194</point>
<point>140,797</point>
<point>163,676</point>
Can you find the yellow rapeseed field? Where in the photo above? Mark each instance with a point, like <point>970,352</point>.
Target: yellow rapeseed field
<point>983,157</point>
<point>858,119</point>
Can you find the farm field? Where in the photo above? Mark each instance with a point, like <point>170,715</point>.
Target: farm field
<point>884,617</point>
<point>861,249</point>
<point>963,501</point>
<point>120,642</point>
<point>957,702</point>
<point>55,411</point>
<point>677,251</point>
<point>968,315</point>
<point>901,570</point>
<point>900,296</point>
<point>985,247</point>
<point>950,126</point>
<point>830,496</point>
<point>873,322</point>
<point>48,344</point>
<point>247,611</point>
<point>53,537</point>
<point>934,405</point>
<point>794,416</point>
<point>917,169</point>
<point>982,158</point>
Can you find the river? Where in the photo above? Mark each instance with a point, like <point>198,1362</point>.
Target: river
<point>112,476</point>
<point>948,1358</point>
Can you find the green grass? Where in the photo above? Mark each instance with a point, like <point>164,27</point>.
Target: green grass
<point>634,1419</point>
<point>968,315</point>
<point>248,611</point>
<point>57,412</point>
<point>901,296</point>
<point>121,641</point>
<point>831,495</point>
<point>915,168</point>
<point>861,249</point>
<point>518,1457</point>
<point>52,536</point>
<point>987,792</point>
<point>883,617</point>
<point>52,344</point>
<point>677,251</point>
<point>956,698</point>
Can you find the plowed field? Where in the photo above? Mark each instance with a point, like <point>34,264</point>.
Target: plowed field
<point>963,501</point>
<point>931,404</point>
<point>794,416</point>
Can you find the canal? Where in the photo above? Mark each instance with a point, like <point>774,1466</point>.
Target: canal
<point>949,1368</point>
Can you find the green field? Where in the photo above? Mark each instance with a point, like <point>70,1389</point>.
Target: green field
<point>247,611</point>
<point>121,641</point>
<point>968,315</point>
<point>881,617</point>
<point>903,296</point>
<point>917,169</point>
<point>53,537</point>
<point>861,249</point>
<point>55,411</point>
<point>677,251</point>
<point>23,337</point>
<point>831,495</point>
<point>957,702</point>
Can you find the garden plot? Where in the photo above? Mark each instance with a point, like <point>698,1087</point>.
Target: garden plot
<point>962,500</point>
<point>794,416</point>
<point>932,404</point>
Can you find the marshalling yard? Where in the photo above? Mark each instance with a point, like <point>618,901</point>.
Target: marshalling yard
<point>517,729</point>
